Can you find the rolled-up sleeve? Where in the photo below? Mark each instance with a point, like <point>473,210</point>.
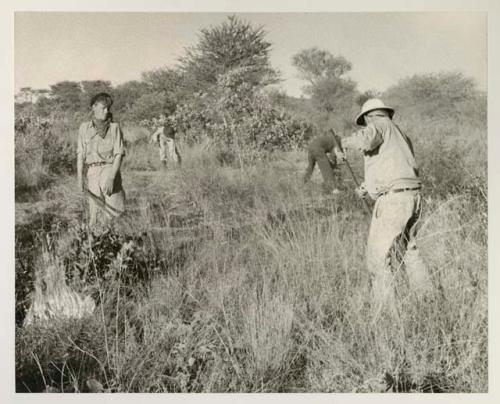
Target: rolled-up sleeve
<point>365,139</point>
<point>118,143</point>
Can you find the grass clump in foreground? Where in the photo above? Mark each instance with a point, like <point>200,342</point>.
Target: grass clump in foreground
<point>240,281</point>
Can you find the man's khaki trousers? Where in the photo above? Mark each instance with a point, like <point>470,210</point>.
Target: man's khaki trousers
<point>112,205</point>
<point>392,255</point>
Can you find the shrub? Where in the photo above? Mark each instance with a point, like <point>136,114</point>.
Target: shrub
<point>240,119</point>
<point>44,148</point>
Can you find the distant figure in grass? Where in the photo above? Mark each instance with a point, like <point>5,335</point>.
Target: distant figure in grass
<point>164,137</point>
<point>100,151</point>
<point>322,151</point>
<point>392,180</point>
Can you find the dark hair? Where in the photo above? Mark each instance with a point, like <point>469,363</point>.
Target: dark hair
<point>105,98</point>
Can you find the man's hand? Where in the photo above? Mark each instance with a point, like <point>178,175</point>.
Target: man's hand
<point>361,191</point>
<point>339,154</point>
<point>109,185</point>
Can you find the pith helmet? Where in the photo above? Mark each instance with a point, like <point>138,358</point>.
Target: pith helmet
<point>371,105</point>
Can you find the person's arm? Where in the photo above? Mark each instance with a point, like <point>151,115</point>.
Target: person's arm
<point>119,152</point>
<point>155,136</point>
<point>365,139</point>
<point>80,160</point>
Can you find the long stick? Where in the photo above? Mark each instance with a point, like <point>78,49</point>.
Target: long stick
<point>365,204</point>
<point>102,203</point>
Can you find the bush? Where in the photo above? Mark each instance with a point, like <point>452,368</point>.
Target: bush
<point>240,119</point>
<point>44,149</point>
<point>271,297</point>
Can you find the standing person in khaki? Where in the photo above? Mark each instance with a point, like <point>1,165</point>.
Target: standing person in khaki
<point>164,137</point>
<point>101,149</point>
<point>391,179</point>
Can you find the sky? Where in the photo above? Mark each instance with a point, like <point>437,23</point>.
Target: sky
<point>382,47</point>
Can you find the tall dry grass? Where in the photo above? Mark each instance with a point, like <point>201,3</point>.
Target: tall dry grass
<point>241,279</point>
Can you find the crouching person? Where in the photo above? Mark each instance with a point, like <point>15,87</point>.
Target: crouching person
<point>322,151</point>
<point>100,151</point>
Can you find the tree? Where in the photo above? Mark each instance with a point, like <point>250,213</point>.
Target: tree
<point>438,96</point>
<point>332,94</point>
<point>66,96</point>
<point>316,66</point>
<point>240,119</point>
<point>230,45</point>
<point>150,105</point>
<point>167,80</point>
<point>171,84</point>
<point>127,94</point>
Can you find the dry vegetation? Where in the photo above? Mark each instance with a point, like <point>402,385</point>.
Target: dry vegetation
<point>228,279</point>
<point>229,275</point>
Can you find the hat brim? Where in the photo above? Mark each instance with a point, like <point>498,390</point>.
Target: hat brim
<point>361,122</point>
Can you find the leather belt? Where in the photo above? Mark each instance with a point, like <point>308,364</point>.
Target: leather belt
<point>97,164</point>
<point>400,190</point>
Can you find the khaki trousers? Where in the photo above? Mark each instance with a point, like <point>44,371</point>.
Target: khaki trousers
<point>113,205</point>
<point>393,258</point>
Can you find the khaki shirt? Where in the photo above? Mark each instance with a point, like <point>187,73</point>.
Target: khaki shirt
<point>97,149</point>
<point>388,156</point>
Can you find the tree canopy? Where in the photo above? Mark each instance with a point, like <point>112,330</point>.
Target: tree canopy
<point>233,44</point>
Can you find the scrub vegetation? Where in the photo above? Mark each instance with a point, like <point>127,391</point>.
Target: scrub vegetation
<point>228,274</point>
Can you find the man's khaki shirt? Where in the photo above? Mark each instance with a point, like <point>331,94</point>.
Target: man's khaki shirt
<point>388,155</point>
<point>97,149</point>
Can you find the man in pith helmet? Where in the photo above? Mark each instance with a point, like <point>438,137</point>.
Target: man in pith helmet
<point>392,180</point>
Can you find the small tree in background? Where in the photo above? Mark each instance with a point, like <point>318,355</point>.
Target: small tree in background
<point>438,96</point>
<point>127,94</point>
<point>150,105</point>
<point>66,96</point>
<point>331,93</point>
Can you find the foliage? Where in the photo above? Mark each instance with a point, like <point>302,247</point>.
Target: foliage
<point>332,94</point>
<point>150,105</point>
<point>66,96</point>
<point>315,65</point>
<point>443,97</point>
<point>43,150</point>
<point>239,117</point>
<point>229,46</point>
<point>126,94</point>
<point>91,257</point>
<point>225,280</point>
<point>274,297</point>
